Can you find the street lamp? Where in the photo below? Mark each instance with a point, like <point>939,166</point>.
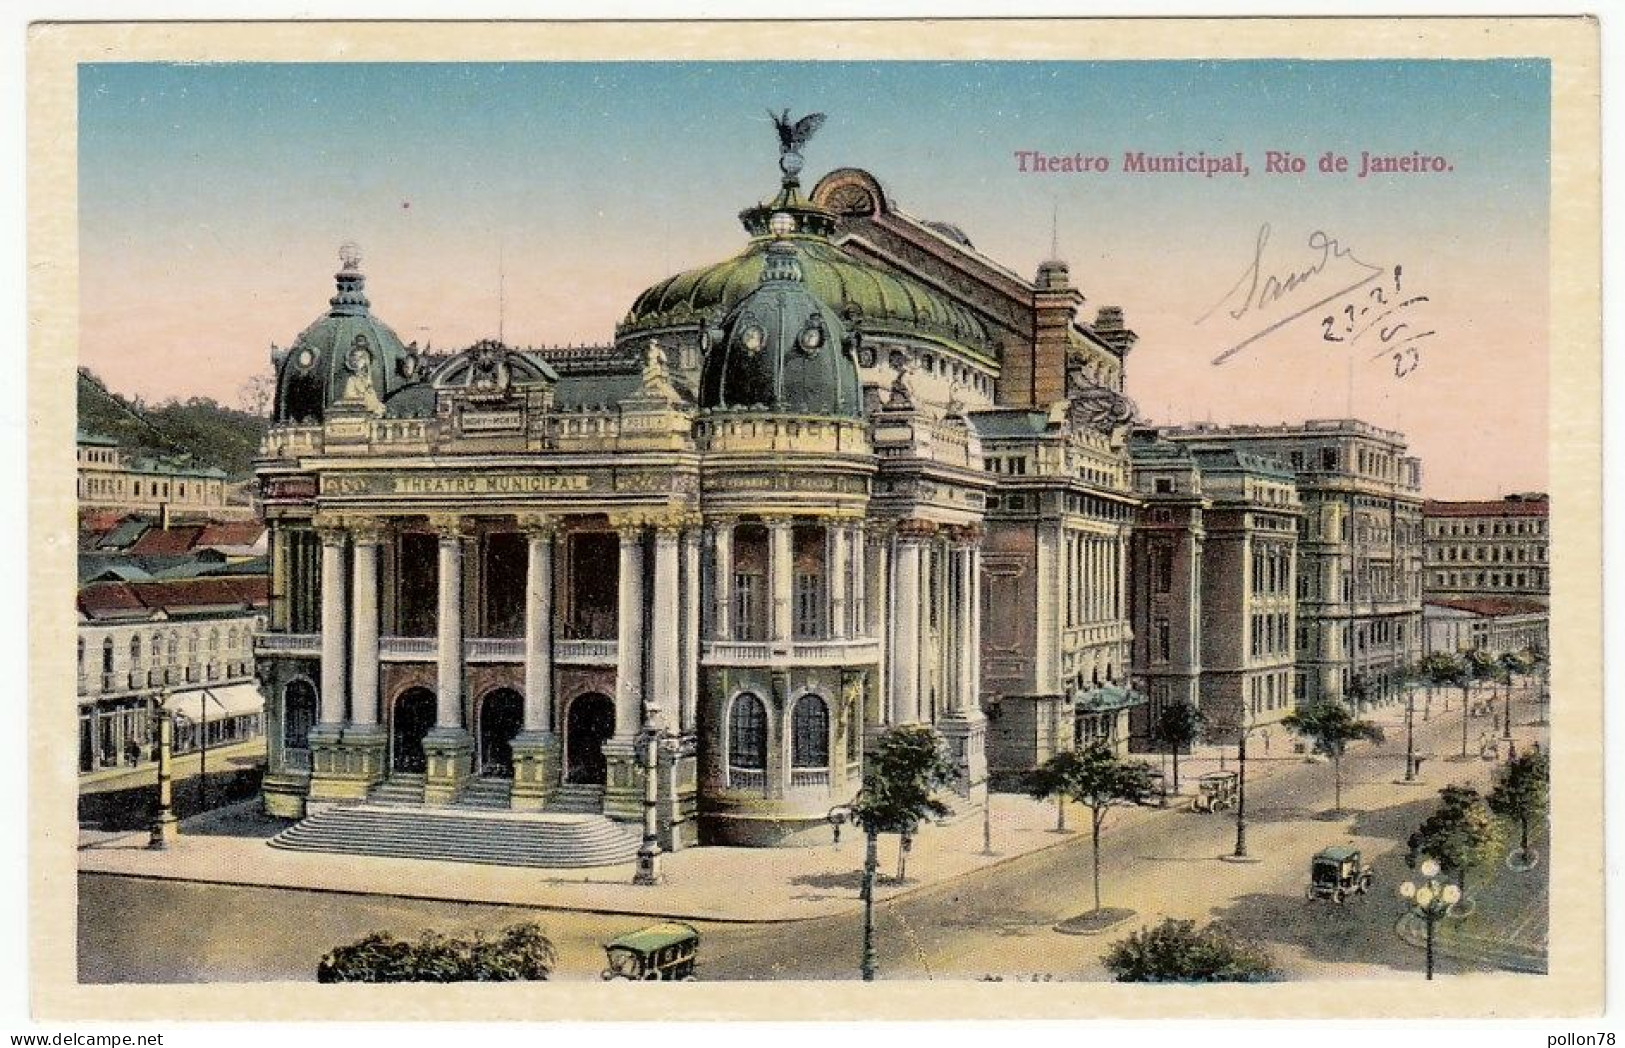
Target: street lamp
<point>165,827</point>
<point>1430,901</point>
<point>1240,854</point>
<point>839,816</point>
<point>649,871</point>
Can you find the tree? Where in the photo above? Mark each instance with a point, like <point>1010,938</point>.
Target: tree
<point>1522,792</point>
<point>1098,779</point>
<point>254,396</point>
<point>1461,835</point>
<point>520,952</point>
<point>901,782</point>
<point>1331,727</point>
<point>1178,725</point>
<point>1175,951</point>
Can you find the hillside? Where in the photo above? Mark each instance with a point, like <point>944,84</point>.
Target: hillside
<point>212,434</point>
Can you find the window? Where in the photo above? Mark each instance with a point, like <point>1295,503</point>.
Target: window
<point>298,714</point>
<point>107,655</point>
<point>747,734</point>
<point>174,649</point>
<point>809,733</point>
<point>1165,486</point>
<point>1162,569</point>
<point>135,652</point>
<point>747,606</point>
<point>809,605</point>
<point>81,654</point>
<point>1164,641</point>
<point>1328,458</point>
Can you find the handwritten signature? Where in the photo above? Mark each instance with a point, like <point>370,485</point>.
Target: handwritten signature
<point>1261,287</point>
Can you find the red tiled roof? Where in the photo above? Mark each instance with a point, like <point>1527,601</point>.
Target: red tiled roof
<point>1489,508</point>
<point>162,541</point>
<point>101,600</point>
<point>1493,607</point>
<point>231,533</point>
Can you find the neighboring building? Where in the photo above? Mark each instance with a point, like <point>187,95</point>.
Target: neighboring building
<point>1491,624</point>
<point>756,525</point>
<point>1359,550</point>
<point>188,639</point>
<point>112,478</point>
<point>1487,549</point>
<point>1214,610</point>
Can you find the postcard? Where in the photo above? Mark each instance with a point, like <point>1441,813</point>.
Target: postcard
<point>1058,517</point>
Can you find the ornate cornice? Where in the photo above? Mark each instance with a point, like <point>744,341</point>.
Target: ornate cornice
<point>539,525</point>
<point>449,526</point>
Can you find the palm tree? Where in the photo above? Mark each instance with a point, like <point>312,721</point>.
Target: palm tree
<point>1331,727</point>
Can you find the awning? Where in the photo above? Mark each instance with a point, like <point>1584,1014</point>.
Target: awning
<point>218,703</point>
<point>1107,698</point>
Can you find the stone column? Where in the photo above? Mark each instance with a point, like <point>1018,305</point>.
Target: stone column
<point>666,619</point>
<point>836,571</point>
<point>905,617</point>
<point>535,748</point>
<point>859,546</point>
<point>690,654</point>
<point>629,632</point>
<point>335,617</point>
<point>879,625</point>
<point>780,583</point>
<point>1046,648</point>
<point>329,771</point>
<point>364,737</point>
<point>624,786</point>
<point>963,727</point>
<point>448,748</point>
<point>722,568</point>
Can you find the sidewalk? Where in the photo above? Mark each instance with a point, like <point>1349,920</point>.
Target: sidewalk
<point>745,885</point>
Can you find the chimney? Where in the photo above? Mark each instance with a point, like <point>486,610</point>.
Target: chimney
<point>1055,302</point>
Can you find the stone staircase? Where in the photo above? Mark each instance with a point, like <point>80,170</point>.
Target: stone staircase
<point>400,788</point>
<point>577,799</point>
<point>486,794</point>
<point>546,839</point>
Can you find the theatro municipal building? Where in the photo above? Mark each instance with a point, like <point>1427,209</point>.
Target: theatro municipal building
<point>857,475</point>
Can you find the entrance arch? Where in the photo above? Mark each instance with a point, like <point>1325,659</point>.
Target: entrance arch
<point>588,723</point>
<point>501,715</point>
<point>410,720</point>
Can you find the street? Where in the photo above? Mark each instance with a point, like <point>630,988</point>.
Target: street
<point>996,922</point>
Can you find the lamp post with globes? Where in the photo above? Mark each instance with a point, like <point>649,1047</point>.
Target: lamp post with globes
<point>1430,901</point>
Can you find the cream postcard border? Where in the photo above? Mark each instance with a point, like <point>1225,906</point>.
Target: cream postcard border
<point>1574,985</point>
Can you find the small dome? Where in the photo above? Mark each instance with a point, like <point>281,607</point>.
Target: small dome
<point>347,347</point>
<point>781,347</point>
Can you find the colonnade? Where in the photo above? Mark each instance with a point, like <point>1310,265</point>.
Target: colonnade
<point>351,697</point>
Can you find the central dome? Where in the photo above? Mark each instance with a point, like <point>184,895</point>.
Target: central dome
<point>884,301</point>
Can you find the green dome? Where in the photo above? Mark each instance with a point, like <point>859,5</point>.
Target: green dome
<point>885,301</point>
<point>781,349</point>
<point>313,372</point>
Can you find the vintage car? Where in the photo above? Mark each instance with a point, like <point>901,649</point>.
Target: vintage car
<point>1338,872</point>
<point>1215,791</point>
<point>660,952</point>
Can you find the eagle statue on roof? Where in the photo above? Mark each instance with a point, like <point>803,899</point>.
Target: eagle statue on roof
<point>794,135</point>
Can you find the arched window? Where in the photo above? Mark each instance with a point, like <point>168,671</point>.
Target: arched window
<point>174,649</point>
<point>214,641</point>
<point>809,733</point>
<point>747,734</point>
<point>107,655</point>
<point>231,639</point>
<point>135,652</point>
<point>191,645</point>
